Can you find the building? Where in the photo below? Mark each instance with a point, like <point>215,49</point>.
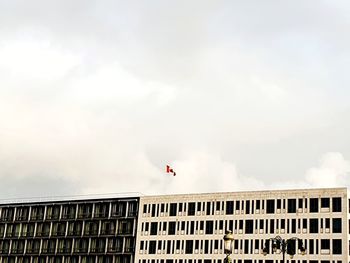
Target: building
<point>186,228</point>
<point>81,231</point>
<point>190,228</point>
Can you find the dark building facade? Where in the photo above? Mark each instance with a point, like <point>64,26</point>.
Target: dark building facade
<point>81,231</point>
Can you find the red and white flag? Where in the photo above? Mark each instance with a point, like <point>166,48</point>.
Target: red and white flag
<point>170,170</point>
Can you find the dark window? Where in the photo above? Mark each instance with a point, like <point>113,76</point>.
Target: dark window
<point>325,244</point>
<point>218,206</point>
<point>278,203</point>
<point>325,202</point>
<point>180,207</point>
<point>191,209</point>
<point>337,246</point>
<point>209,229</point>
<point>172,228</point>
<point>336,204</point>
<point>144,209</point>
<point>247,207</point>
<point>152,247</point>
<point>237,205</point>
<point>249,225</point>
<point>154,226</point>
<point>300,203</point>
<point>313,205</point>
<point>173,208</point>
<point>189,247</point>
<point>327,223</point>
<point>270,206</point>
<point>199,206</point>
<point>283,223</point>
<point>229,208</point>
<point>294,226</point>
<point>311,247</point>
<point>292,205</point>
<point>208,208</point>
<point>336,225</point>
<point>162,206</point>
<point>304,223</point>
<point>257,204</point>
<point>272,226</point>
<point>314,225</point>
<point>241,224</point>
<point>246,244</point>
<point>153,214</point>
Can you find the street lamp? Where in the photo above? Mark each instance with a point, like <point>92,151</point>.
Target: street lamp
<point>228,243</point>
<point>284,246</point>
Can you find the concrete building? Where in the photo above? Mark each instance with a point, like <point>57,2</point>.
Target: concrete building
<point>186,228</point>
<point>81,231</point>
<point>190,228</point>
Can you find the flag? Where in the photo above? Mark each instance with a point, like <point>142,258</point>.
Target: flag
<point>170,170</point>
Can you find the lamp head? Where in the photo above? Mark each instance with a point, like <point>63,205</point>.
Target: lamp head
<point>228,241</point>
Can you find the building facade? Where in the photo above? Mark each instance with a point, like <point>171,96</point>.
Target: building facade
<point>83,231</point>
<point>186,228</point>
<point>190,228</point>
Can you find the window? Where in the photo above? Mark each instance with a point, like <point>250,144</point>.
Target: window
<point>172,228</point>
<point>173,208</point>
<point>278,203</point>
<point>300,203</point>
<point>191,209</point>
<point>237,205</point>
<point>313,205</point>
<point>189,247</point>
<point>270,206</point>
<point>218,206</point>
<point>325,244</point>
<point>152,247</point>
<point>314,225</point>
<point>336,225</point>
<point>336,204</point>
<point>229,208</point>
<point>337,246</point>
<point>209,229</point>
<point>208,208</point>
<point>292,205</point>
<point>249,226</point>
<point>247,207</point>
<point>154,226</point>
<point>325,202</point>
<point>257,204</point>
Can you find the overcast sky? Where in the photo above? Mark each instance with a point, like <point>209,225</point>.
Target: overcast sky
<point>98,96</point>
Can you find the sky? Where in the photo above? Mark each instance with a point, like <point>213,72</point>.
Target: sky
<point>99,96</point>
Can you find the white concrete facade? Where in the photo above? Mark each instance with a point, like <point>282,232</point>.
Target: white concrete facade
<point>189,228</point>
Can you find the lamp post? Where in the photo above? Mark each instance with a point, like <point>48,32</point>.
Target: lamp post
<point>280,245</point>
<point>228,243</point>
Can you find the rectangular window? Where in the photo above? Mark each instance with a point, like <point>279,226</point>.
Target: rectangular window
<point>218,206</point>
<point>199,208</point>
<point>154,226</point>
<point>152,247</point>
<point>336,225</point>
<point>336,204</point>
<point>209,229</point>
<point>173,208</point>
<point>337,246</point>
<point>325,244</point>
<point>313,205</point>
<point>189,247</point>
<point>249,226</point>
<point>292,205</point>
<point>325,202</point>
<point>247,207</point>
<point>172,228</point>
<point>257,204</point>
<point>272,226</point>
<point>270,206</point>
<point>229,207</point>
<point>278,203</point>
<point>300,203</point>
<point>191,209</point>
<point>314,225</point>
<point>294,226</point>
<point>208,208</point>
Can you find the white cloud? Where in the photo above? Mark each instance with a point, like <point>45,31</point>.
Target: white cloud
<point>332,171</point>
